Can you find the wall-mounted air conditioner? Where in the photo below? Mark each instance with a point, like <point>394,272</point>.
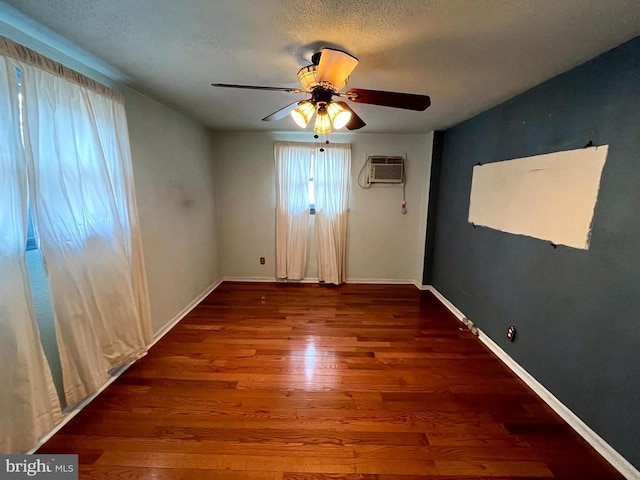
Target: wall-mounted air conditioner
<point>386,169</point>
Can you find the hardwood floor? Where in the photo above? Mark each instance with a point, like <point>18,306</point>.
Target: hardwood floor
<point>307,382</point>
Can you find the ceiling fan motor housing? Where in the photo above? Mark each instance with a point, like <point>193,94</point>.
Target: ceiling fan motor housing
<point>320,95</point>
<point>315,58</point>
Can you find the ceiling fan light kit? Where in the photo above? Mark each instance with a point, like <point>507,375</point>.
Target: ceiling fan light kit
<point>339,115</point>
<point>307,77</point>
<point>302,115</point>
<point>323,122</point>
<point>333,116</point>
<point>326,77</point>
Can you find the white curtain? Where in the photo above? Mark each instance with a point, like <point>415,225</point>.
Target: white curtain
<point>28,402</point>
<point>332,185</point>
<point>77,145</point>
<point>293,169</point>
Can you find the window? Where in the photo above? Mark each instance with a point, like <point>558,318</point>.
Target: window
<point>31,236</point>
<point>31,239</point>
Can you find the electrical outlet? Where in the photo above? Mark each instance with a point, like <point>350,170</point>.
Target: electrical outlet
<point>511,333</point>
<point>262,260</point>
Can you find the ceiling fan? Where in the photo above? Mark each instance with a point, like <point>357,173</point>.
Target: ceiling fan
<point>324,79</point>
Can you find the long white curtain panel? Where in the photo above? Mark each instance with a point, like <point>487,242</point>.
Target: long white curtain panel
<point>28,400</point>
<point>77,145</point>
<point>332,180</point>
<point>293,170</point>
<point>299,167</point>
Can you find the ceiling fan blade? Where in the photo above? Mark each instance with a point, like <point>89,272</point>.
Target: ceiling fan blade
<point>282,113</point>
<point>335,66</point>
<point>409,101</point>
<point>255,87</point>
<point>356,122</point>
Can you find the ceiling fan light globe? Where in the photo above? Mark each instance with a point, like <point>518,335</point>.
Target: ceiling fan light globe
<point>303,113</point>
<point>341,119</point>
<point>299,119</point>
<point>323,124</point>
<point>339,115</point>
<point>307,77</point>
<point>334,67</point>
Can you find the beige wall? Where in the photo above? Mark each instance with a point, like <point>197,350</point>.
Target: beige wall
<point>383,245</point>
<point>174,180</point>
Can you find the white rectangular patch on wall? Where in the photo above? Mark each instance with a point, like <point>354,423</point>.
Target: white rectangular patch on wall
<point>551,196</point>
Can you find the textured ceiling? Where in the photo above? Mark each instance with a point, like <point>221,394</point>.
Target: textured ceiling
<point>467,55</point>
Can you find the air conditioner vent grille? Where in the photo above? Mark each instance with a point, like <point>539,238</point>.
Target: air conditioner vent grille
<point>386,169</point>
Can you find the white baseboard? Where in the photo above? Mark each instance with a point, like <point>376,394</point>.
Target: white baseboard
<point>184,312</point>
<point>601,446</point>
<point>268,280</point>
<point>592,438</point>
<point>119,371</point>
<point>450,306</point>
<point>380,281</point>
<point>250,279</point>
<point>66,418</point>
<point>372,281</point>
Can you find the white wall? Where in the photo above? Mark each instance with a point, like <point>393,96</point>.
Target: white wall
<point>174,181</point>
<point>383,244</point>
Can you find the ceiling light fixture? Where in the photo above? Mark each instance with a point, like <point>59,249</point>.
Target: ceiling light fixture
<point>307,77</point>
<point>303,113</point>
<point>329,116</point>
<point>323,122</point>
<point>325,79</point>
<point>339,115</point>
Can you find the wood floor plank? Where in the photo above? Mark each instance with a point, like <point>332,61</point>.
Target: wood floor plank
<point>328,476</point>
<point>252,462</point>
<point>295,437</point>
<point>307,382</point>
<point>513,469</point>
<point>147,473</point>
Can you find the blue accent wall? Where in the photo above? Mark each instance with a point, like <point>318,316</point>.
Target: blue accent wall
<point>577,312</point>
